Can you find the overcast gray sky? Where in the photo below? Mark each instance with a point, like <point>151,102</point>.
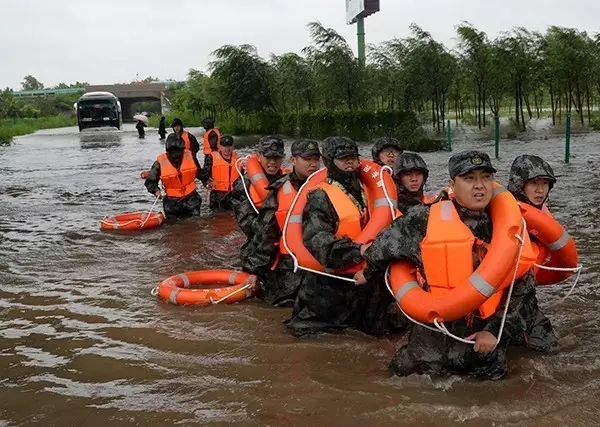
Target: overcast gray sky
<point>108,41</point>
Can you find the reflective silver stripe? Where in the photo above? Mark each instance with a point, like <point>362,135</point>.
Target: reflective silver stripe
<point>381,202</point>
<point>404,289</point>
<point>287,188</point>
<point>232,277</point>
<point>257,177</point>
<point>482,285</point>
<point>173,295</point>
<point>560,243</point>
<point>115,225</point>
<point>446,212</point>
<point>498,190</point>
<point>296,219</point>
<point>186,280</point>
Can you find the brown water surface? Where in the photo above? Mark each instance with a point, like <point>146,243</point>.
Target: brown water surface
<point>82,341</point>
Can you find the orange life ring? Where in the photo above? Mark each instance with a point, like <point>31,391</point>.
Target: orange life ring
<point>257,177</point>
<point>381,212</point>
<point>559,244</point>
<point>183,289</point>
<point>132,221</point>
<point>493,274</point>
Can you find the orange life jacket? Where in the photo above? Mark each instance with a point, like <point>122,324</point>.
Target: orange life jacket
<point>205,142</point>
<point>447,253</point>
<point>178,182</point>
<point>187,142</point>
<point>285,196</point>
<point>223,172</point>
<point>350,219</point>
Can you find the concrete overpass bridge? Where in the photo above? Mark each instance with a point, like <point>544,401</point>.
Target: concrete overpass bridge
<point>128,94</point>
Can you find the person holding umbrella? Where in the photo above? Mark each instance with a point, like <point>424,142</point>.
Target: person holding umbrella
<point>141,124</point>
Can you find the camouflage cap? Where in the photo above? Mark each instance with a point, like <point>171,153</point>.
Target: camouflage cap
<point>467,161</point>
<point>339,147</point>
<point>173,142</point>
<point>305,149</point>
<point>271,146</point>
<point>227,141</point>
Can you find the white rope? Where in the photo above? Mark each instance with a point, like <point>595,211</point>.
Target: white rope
<point>572,288</point>
<point>284,232</point>
<point>154,291</point>
<point>244,182</point>
<point>387,196</point>
<point>441,328</point>
<point>230,294</point>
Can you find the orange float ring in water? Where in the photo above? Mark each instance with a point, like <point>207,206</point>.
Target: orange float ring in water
<point>132,221</point>
<point>493,274</point>
<point>377,185</point>
<point>185,288</point>
<point>556,242</point>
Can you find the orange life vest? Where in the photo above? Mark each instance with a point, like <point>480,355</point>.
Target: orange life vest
<point>205,142</point>
<point>187,142</point>
<point>258,180</point>
<point>349,224</point>
<point>447,253</point>
<point>178,182</point>
<point>285,196</point>
<point>223,172</point>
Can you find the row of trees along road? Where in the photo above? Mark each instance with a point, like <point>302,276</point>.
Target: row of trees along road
<point>521,73</point>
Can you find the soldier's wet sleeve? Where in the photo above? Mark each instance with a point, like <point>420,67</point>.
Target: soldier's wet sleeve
<point>206,172</point>
<point>194,145</point>
<point>320,222</point>
<point>153,179</point>
<point>242,207</point>
<point>258,256</point>
<point>515,324</point>
<point>400,240</point>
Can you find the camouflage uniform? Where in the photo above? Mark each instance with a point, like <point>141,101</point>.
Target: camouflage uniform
<point>409,162</point>
<point>194,145</point>
<point>428,351</point>
<point>539,335</point>
<point>269,146</point>
<point>175,208</point>
<point>218,200</point>
<point>325,304</point>
<point>280,285</point>
<point>382,143</point>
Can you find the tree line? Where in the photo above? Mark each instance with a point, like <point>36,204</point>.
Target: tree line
<point>521,73</point>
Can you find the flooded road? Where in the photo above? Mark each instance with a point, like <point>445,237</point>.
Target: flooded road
<point>82,341</point>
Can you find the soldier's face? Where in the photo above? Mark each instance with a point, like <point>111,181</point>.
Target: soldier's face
<point>388,156</point>
<point>305,166</point>
<point>176,128</point>
<point>271,165</point>
<point>537,190</point>
<point>412,180</point>
<point>473,190</point>
<point>347,164</point>
<point>226,152</point>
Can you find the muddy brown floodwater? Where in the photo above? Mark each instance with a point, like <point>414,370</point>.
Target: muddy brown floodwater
<point>82,341</point>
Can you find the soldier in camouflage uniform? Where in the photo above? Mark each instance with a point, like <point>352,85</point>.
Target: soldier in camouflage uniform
<point>428,351</point>
<point>271,153</point>
<point>279,285</point>
<point>530,181</point>
<point>326,304</point>
<point>386,151</point>
<point>410,175</point>
<point>174,207</point>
